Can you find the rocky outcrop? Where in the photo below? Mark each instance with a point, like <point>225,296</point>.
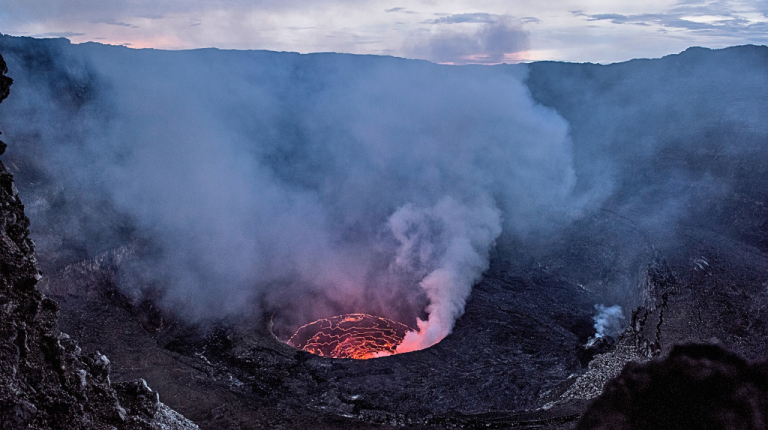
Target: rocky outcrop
<point>45,379</point>
<point>696,387</point>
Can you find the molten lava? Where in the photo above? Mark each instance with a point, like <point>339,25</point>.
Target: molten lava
<point>358,336</point>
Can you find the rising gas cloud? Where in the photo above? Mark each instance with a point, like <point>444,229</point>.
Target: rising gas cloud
<point>307,186</point>
<point>312,184</point>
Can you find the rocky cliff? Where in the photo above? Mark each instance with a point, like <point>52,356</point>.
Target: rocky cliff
<point>46,382</point>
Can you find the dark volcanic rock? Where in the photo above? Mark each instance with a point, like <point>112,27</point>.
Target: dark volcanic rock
<point>502,357</point>
<point>696,387</point>
<point>676,144</point>
<point>680,141</point>
<point>45,380</point>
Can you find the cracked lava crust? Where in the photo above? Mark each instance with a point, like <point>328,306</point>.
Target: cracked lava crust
<point>358,336</point>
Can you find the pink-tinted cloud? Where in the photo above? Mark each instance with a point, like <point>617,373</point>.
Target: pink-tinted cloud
<point>492,39</point>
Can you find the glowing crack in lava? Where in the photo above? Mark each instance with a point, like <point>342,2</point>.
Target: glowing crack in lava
<point>358,336</point>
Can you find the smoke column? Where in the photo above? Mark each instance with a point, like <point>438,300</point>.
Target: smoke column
<point>316,184</point>
<point>608,320</point>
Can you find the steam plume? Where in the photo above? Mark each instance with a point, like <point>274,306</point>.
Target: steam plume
<point>311,184</point>
<point>608,321</point>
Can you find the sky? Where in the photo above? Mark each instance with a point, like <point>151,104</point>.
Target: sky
<point>451,31</point>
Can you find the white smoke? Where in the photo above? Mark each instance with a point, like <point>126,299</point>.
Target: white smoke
<point>451,259</point>
<point>608,321</point>
<point>314,185</point>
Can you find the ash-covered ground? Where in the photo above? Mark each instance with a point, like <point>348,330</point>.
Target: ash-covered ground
<point>666,217</point>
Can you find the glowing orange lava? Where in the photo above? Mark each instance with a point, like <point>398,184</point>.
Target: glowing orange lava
<point>358,336</point>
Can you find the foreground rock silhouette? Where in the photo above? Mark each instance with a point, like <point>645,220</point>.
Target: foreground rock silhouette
<point>696,387</point>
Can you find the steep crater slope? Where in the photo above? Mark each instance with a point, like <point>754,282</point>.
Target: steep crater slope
<point>681,141</point>
<point>678,236</point>
<point>45,379</point>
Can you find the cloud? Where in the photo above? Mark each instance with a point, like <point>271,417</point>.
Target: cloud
<point>466,17</point>
<point>497,39</point>
<point>718,18</point>
<point>400,10</point>
<point>264,24</point>
<point>613,17</point>
<point>98,10</point>
<point>117,23</point>
<point>58,34</point>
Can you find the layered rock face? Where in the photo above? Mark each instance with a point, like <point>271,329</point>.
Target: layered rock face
<point>45,379</point>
